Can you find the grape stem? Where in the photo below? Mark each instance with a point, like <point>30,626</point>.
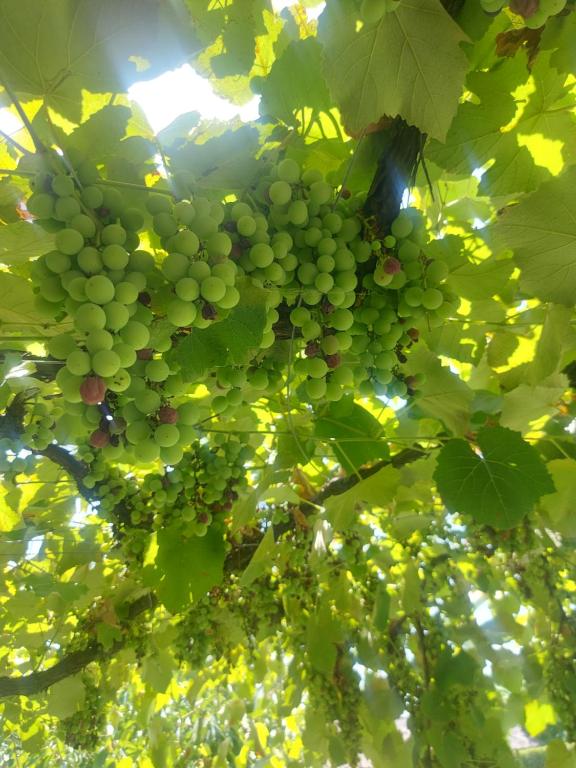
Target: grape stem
<point>39,146</point>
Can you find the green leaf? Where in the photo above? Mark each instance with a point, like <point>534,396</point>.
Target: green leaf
<point>377,490</point>
<point>497,486</point>
<point>101,133</point>
<point>541,230</point>
<point>21,242</point>
<point>560,505</point>
<point>391,67</point>
<point>443,395</point>
<point>557,335</point>
<point>230,339</point>
<point>559,756</point>
<point>355,435</point>
<point>187,568</point>
<point>323,632</point>
<point>52,49</point>
<point>526,404</point>
<point>261,559</point>
<point>295,81</point>
<point>480,281</point>
<point>65,697</point>
<point>17,303</point>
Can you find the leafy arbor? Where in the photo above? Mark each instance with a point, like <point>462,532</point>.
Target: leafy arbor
<point>288,463</point>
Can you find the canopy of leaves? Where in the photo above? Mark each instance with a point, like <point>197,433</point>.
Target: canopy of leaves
<point>306,513</point>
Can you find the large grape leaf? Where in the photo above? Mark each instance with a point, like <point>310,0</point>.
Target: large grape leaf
<point>541,230</point>
<point>53,49</point>
<point>17,308</point>
<point>295,81</point>
<point>354,433</point>
<point>379,489</point>
<point>409,63</point>
<point>22,241</point>
<point>497,486</point>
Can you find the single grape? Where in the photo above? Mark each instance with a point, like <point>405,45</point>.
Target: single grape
<point>41,205</point>
<point>115,257</point>
<point>89,317</point>
<point>69,241</point>
<point>99,289</point>
<point>135,334</point>
<point>280,192</point>
<point>288,170</point>
<point>432,298</point>
<point>62,185</point>
<point>97,340</point>
<point>261,255</point>
<point>166,435</point>
<point>157,370</point>
<point>181,313</point>
<point>246,225</point>
<point>125,292</point>
<point>187,289</point>
<point>105,363</point>
<point>157,203</point>
<point>117,315</point>
<point>78,362</point>
<point>66,208</point>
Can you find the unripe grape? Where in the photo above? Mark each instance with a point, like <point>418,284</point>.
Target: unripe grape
<point>261,255</point>
<point>316,388</point>
<point>135,334</point>
<point>97,340</point>
<point>298,213</point>
<point>66,208</point>
<point>78,362</point>
<point>157,370</point>
<point>230,299</point>
<point>158,204</point>
<point>341,319</point>
<point>148,401</point>
<point>432,298</point>
<point>175,266</point>
<point>324,282</point>
<point>413,296</point>
<point>166,435</point>
<point>69,241</point>
<point>246,226</point>
<point>57,262</point>
<point>125,292</point>
<point>105,363</point>
<point>401,226</point>
<point>62,185</point>
<point>99,289</point>
<point>117,315</point>
<point>146,451</point>
<point>280,192</point>
<point>288,170</point>
<point>137,431</point>
<point>115,257</point>
<point>92,197</point>
<point>89,317</point>
<point>187,289</point>
<point>212,289</point>
<point>61,346</point>
<point>126,354</point>
<point>41,205</point>
<point>181,313</point>
<point>437,271</point>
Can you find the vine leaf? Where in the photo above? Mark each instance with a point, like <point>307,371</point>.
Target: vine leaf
<point>497,487</point>
<point>541,230</point>
<point>378,489</point>
<point>417,46</point>
<point>22,241</point>
<point>66,697</point>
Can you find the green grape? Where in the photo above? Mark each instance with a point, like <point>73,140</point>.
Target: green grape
<point>132,219</point>
<point>311,330</point>
<point>184,212</point>
<point>61,346</point>
<point>332,222</point>
<point>401,226</point>
<point>78,362</point>
<point>97,340</point>
<point>288,170</point>
<point>126,354</point>
<point>181,313</point>
<point>89,317</point>
<point>125,292</point>
<point>188,413</point>
<point>137,431</point>
<point>148,401</point>
<point>89,260</point>
<point>342,376</point>
<point>69,241</point>
<point>437,271</point>
<point>175,266</point>
<point>389,241</point>
<point>113,234</point>
<point>324,282</point>
<point>234,397</point>
<point>57,262</point>
<point>226,271</point>
<point>204,226</point>
<point>92,197</point>
<point>274,273</point>
<point>219,404</point>
<point>218,245</point>
<point>83,224</point>
<point>413,296</point>
<point>117,315</point>
<point>135,334</point>
<point>157,203</point>
<point>166,435</point>
<point>172,455</point>
<point>246,226</point>
<point>199,270</point>
<point>299,316</point>
<point>99,289</point>
<point>115,257</point>
<point>326,263</point>
<point>66,208</point>
<point>350,229</point>
<point>344,260</point>
<point>341,319</point>
<point>141,261</point>
<point>344,340</point>
<point>261,255</point>
<point>41,205</point>
<point>280,192</point>
<point>75,287</point>
<point>69,385</point>
<point>316,388</point>
<point>146,451</point>
<point>105,363</point>
<point>312,236</point>
<point>346,280</point>
<point>62,185</point>
<point>298,213</point>
<point>432,298</point>
<point>408,251</point>
<point>157,370</point>
<point>320,192</point>
<point>187,289</point>
<point>310,176</point>
<point>307,273</point>
<point>259,379</point>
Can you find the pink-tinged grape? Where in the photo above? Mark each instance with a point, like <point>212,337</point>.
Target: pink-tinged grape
<point>78,362</point>
<point>62,185</point>
<point>69,241</point>
<point>97,340</point>
<point>89,317</point>
<point>125,292</point>
<point>381,277</point>
<point>157,370</point>
<point>117,315</point>
<point>113,234</point>
<point>261,255</point>
<point>187,289</point>
<point>92,197</point>
<point>99,289</point>
<point>280,192</point>
<point>57,262</point>
<point>115,257</point>
<point>288,170</point>
<point>432,298</point>
<point>181,313</point>
<point>401,226</point>
<point>105,363</point>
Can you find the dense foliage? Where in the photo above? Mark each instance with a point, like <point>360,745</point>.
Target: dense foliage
<point>287,416</point>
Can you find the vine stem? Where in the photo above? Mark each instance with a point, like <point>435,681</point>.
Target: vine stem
<point>14,143</point>
<point>39,146</point>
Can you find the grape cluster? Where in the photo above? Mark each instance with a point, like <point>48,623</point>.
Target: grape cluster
<point>344,302</point>
<point>83,729</point>
<point>535,13</point>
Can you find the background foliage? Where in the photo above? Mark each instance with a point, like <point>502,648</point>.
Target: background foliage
<point>301,520</point>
